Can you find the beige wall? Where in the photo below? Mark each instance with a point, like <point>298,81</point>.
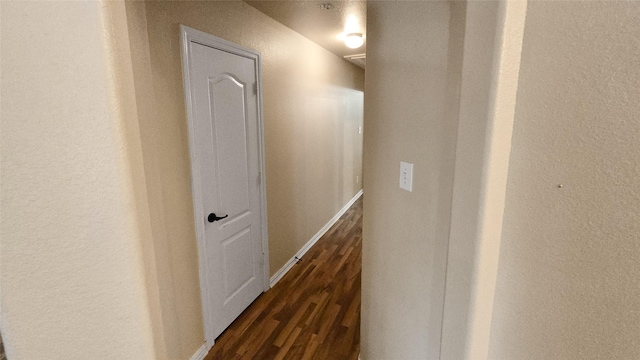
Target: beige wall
<point>72,227</point>
<point>480,25</point>
<point>412,81</point>
<point>456,78</point>
<point>559,279</point>
<point>79,144</point>
<point>569,275</point>
<point>312,111</point>
<point>98,252</point>
<point>176,317</point>
<point>492,46</point>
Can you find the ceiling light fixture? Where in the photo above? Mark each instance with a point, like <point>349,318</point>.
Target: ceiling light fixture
<point>326,6</point>
<point>353,40</point>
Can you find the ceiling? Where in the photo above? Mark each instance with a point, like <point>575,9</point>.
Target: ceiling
<point>321,26</point>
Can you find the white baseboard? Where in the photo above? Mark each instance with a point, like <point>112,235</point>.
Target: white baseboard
<point>278,275</point>
<point>201,353</point>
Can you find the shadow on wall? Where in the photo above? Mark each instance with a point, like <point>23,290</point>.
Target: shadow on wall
<point>3,356</point>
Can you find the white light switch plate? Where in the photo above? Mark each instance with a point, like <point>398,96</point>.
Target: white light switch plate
<point>406,176</point>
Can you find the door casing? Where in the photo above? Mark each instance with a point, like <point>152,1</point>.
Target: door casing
<point>188,35</point>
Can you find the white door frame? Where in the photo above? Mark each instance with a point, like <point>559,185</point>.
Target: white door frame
<point>188,35</point>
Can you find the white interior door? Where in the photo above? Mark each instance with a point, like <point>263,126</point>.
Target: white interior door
<point>226,167</point>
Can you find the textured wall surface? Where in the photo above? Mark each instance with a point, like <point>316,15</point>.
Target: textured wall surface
<point>569,274</point>
<point>474,123</point>
<point>410,115</point>
<point>72,280</point>
<point>492,45</point>
<point>167,318</point>
<point>312,111</point>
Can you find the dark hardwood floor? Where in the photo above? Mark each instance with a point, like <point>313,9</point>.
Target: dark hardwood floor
<point>313,312</point>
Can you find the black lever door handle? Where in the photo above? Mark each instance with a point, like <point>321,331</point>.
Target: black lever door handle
<point>212,217</point>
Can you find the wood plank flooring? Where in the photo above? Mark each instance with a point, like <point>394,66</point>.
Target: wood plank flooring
<point>313,312</point>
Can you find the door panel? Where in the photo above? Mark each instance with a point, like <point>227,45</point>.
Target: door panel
<point>228,106</point>
<point>239,272</point>
<point>225,124</point>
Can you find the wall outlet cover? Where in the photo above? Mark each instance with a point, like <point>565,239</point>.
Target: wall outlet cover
<point>406,176</point>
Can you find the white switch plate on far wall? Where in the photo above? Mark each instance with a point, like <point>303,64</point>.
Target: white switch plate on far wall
<point>406,176</point>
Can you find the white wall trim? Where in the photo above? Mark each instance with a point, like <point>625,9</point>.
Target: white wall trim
<point>201,353</point>
<point>278,275</point>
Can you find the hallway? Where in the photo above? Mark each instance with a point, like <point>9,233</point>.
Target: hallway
<point>313,312</point>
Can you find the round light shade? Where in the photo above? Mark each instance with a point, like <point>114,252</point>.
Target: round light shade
<point>353,40</point>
